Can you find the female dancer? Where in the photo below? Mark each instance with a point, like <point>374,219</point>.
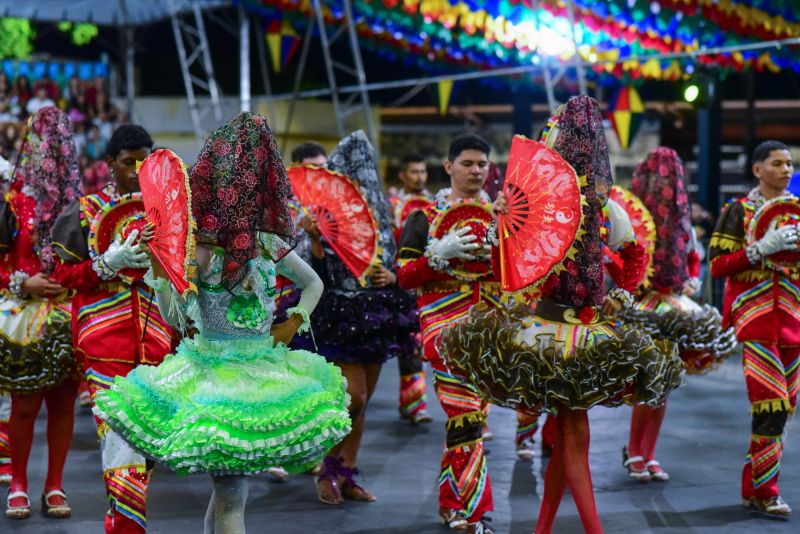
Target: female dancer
<point>359,328</point>
<point>234,400</point>
<point>665,310</point>
<point>567,357</point>
<point>36,362</point>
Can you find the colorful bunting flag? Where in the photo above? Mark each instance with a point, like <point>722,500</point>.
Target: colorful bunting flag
<point>444,91</point>
<point>283,42</point>
<point>626,112</point>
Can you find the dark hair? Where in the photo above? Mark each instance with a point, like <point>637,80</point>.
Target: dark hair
<point>129,137</point>
<point>307,150</point>
<point>467,141</point>
<point>410,158</point>
<point>762,151</point>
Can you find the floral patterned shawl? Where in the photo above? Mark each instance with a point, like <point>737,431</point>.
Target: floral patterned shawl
<point>576,132</point>
<point>659,182</point>
<point>48,172</point>
<point>239,187</point>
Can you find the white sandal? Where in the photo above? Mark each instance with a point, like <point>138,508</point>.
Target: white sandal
<point>642,475</point>
<point>61,511</point>
<point>660,475</point>
<point>18,512</point>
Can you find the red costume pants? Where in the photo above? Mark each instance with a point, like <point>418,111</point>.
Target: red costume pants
<point>125,472</point>
<point>464,480</point>
<point>772,376</point>
<point>412,383</point>
<point>5,444</point>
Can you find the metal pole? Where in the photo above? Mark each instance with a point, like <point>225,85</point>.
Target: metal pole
<point>244,60</point>
<point>576,58</point>
<point>298,78</point>
<point>213,89</point>
<point>360,74</point>
<point>262,62</point>
<point>130,53</point>
<point>326,52</point>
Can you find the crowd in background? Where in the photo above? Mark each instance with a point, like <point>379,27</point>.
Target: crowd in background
<point>90,110</point>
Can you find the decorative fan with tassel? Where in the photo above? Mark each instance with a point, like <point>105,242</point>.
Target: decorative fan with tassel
<point>342,214</point>
<point>167,205</point>
<point>544,214</point>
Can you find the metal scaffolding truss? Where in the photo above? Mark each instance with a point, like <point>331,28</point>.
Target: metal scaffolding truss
<point>356,101</point>
<point>193,51</point>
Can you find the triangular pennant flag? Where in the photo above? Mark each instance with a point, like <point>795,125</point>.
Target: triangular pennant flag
<point>273,38</point>
<point>445,91</point>
<point>626,113</point>
<point>290,41</point>
<point>622,124</point>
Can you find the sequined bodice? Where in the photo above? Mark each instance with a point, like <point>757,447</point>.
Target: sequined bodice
<point>245,311</point>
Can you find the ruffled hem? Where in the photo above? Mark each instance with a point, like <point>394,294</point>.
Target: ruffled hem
<point>697,331</point>
<point>230,407</point>
<point>370,327</point>
<point>625,368</point>
<point>40,365</point>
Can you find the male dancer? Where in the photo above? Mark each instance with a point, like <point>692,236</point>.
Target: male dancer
<point>762,305</point>
<point>465,493</point>
<point>309,153</point>
<point>116,326</point>
<point>413,176</point>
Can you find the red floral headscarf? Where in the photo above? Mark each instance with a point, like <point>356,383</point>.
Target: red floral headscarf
<point>659,182</point>
<point>576,132</point>
<point>48,171</point>
<point>239,187</point>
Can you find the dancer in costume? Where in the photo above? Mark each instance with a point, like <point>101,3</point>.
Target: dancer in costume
<point>110,309</point>
<point>6,170</point>
<point>413,196</point>
<point>665,310</point>
<point>762,305</point>
<point>36,361</point>
<point>465,493</point>
<point>309,153</point>
<point>567,357</point>
<point>234,400</point>
<point>358,328</point>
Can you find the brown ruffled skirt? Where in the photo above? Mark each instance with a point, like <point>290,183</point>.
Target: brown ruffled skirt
<point>696,329</point>
<point>35,345</point>
<point>527,362</point>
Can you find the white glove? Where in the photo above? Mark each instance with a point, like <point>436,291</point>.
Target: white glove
<point>691,286</point>
<point>455,244</point>
<point>125,255</point>
<point>777,240</point>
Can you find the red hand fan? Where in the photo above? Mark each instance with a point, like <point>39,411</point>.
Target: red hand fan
<point>544,214</point>
<point>644,227</point>
<point>342,214</point>
<point>776,213</point>
<point>167,203</point>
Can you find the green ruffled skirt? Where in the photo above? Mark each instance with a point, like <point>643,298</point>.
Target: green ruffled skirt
<point>230,407</point>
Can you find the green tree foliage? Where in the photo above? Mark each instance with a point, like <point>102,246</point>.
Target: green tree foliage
<point>16,38</point>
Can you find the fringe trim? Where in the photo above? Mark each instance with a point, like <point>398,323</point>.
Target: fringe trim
<point>465,419</point>
<point>772,406</point>
<point>726,242</point>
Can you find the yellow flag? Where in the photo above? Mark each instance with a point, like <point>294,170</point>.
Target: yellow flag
<point>445,90</point>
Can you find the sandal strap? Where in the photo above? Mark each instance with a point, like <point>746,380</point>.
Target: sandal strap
<point>633,460</point>
<point>652,462</point>
<point>54,493</point>
<point>17,495</point>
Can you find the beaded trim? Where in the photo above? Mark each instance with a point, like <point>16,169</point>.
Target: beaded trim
<point>16,282</point>
<point>102,269</point>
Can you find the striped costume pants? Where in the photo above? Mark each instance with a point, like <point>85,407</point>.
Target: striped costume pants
<point>125,472</point>
<point>772,376</point>
<point>464,480</point>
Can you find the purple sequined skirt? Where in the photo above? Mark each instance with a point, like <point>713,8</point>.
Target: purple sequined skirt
<point>370,326</point>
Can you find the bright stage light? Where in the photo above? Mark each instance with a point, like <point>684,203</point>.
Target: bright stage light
<point>691,93</point>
